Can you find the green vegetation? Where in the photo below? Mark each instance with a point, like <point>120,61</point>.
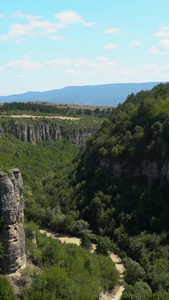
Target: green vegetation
<point>53,109</point>
<point>67,271</point>
<point>85,241</point>
<point>6,291</point>
<point>46,168</point>
<point>140,291</point>
<point>115,192</point>
<point>122,192</point>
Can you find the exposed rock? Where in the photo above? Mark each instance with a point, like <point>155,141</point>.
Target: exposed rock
<point>36,131</point>
<point>12,234</point>
<point>151,171</point>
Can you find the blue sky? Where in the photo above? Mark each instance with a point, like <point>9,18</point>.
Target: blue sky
<point>51,44</point>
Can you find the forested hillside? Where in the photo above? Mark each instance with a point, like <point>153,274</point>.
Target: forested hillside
<point>121,188</point>
<point>128,159</point>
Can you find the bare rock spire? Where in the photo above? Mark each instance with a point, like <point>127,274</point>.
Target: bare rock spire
<point>12,234</point>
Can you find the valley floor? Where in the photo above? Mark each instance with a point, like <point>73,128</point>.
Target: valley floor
<point>117,292</point>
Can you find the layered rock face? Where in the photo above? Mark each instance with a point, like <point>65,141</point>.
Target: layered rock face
<point>152,172</point>
<point>35,132</point>
<point>12,234</point>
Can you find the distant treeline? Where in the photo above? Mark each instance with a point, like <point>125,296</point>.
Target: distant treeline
<point>53,109</point>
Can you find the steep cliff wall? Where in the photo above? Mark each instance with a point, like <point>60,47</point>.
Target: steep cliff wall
<point>12,234</point>
<point>149,171</point>
<point>35,130</point>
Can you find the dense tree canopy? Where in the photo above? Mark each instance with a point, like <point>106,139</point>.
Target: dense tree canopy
<point>118,198</point>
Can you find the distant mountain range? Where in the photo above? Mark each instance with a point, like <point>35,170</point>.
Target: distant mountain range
<point>106,94</point>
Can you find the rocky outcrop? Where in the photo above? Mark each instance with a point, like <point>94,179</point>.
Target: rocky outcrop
<point>150,172</point>
<point>36,131</point>
<point>12,234</point>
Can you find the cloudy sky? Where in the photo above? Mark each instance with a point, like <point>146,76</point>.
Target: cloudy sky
<point>51,44</point>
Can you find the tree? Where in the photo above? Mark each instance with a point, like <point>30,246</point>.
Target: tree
<point>69,224</point>
<point>82,226</point>
<point>85,241</point>
<point>6,292</point>
<point>103,245</point>
<point>137,292</point>
<point>157,296</point>
<point>133,272</point>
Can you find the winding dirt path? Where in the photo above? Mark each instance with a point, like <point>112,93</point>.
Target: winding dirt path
<point>117,292</point>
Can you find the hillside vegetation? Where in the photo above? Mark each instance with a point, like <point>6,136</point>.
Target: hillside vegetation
<point>136,133</point>
<point>47,109</point>
<point>121,188</point>
<point>69,271</point>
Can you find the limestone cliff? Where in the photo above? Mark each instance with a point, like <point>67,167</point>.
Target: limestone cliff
<point>37,130</point>
<point>151,171</point>
<point>12,234</point>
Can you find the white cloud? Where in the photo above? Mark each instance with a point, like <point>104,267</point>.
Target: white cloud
<point>75,72</point>
<point>135,43</point>
<point>57,53</point>
<point>152,68</point>
<point>146,73</point>
<point>163,47</point>
<point>57,37</point>
<point>1,16</point>
<point>2,68</point>
<point>26,65</point>
<point>80,65</point>
<point>87,68</point>
<point>89,24</point>
<point>36,27</point>
<point>50,30</point>
<point>18,14</point>
<point>58,63</point>
<point>110,46</point>
<point>26,57</point>
<point>41,24</point>
<point>162,32</point>
<point>83,63</point>
<point>69,17</point>
<point>20,76</point>
<point>32,28</point>
<point>32,17</point>
<point>153,49</point>
<point>17,30</point>
<point>44,54</point>
<point>112,30</point>
<point>3,38</point>
<point>72,17</point>
<point>164,44</point>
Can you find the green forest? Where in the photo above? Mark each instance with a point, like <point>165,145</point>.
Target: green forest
<point>53,109</point>
<point>113,191</point>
